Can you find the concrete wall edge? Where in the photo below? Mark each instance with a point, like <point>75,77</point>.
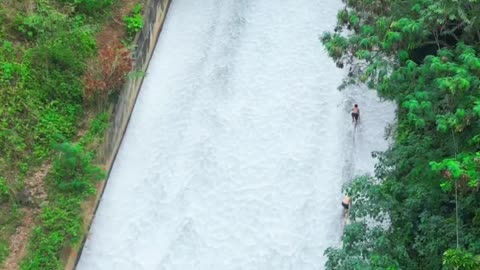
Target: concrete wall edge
<point>146,40</point>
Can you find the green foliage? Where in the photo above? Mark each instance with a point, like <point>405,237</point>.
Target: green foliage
<point>460,259</point>
<point>72,172</point>
<point>60,225</point>
<point>65,52</point>
<point>45,46</point>
<point>41,24</point>
<point>4,190</point>
<point>462,168</point>
<point>42,91</point>
<point>365,245</point>
<point>97,128</point>
<point>3,251</point>
<point>90,7</point>
<point>365,253</point>
<point>55,124</point>
<point>10,218</point>
<point>134,22</point>
<point>424,55</point>
<point>99,124</point>
<point>71,179</point>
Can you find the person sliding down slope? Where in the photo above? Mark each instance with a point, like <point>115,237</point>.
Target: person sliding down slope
<point>346,202</point>
<point>346,205</point>
<point>355,113</point>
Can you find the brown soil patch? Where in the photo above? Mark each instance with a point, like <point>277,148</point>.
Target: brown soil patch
<point>113,33</point>
<point>18,241</point>
<point>35,186</point>
<point>106,72</point>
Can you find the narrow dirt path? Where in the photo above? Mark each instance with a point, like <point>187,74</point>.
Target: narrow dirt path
<point>18,242</point>
<point>35,195</point>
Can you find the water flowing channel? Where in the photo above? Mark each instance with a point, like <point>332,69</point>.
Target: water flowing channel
<point>238,145</point>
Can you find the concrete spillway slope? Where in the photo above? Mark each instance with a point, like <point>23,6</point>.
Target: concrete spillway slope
<point>238,145</point>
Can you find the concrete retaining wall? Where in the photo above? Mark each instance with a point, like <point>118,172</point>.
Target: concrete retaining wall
<point>154,16</point>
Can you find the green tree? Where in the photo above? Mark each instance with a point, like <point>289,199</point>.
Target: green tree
<point>423,55</point>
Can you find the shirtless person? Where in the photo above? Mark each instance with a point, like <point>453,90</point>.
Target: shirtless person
<point>346,205</point>
<point>346,202</point>
<point>355,113</point>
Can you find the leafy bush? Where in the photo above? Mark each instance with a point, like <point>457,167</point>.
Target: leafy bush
<point>460,259</point>
<point>134,22</point>
<point>40,25</point>
<point>66,53</point>
<point>72,171</point>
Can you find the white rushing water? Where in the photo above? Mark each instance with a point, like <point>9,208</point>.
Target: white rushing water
<point>238,145</point>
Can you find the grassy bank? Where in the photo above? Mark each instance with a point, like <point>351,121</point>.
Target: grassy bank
<point>60,64</point>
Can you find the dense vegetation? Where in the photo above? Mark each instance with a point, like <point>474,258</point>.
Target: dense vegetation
<point>70,181</point>
<point>54,80</point>
<point>421,209</point>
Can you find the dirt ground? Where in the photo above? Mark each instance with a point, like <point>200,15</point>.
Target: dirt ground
<point>36,195</point>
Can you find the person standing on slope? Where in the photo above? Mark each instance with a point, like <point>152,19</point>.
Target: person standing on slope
<point>346,205</point>
<point>355,113</point>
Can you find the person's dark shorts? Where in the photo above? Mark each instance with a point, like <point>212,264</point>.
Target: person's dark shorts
<point>345,205</point>
<point>355,116</point>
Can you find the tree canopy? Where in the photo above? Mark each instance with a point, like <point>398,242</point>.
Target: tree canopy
<point>421,208</point>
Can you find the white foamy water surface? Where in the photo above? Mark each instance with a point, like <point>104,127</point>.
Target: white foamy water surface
<point>238,146</point>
